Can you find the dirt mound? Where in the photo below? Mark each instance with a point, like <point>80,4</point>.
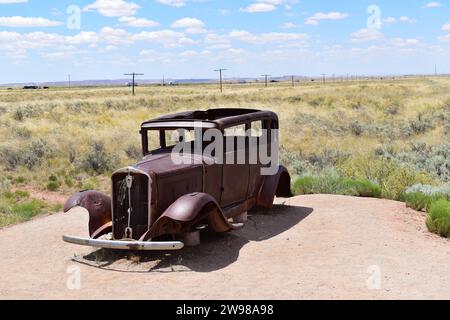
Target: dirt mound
<point>317,246</point>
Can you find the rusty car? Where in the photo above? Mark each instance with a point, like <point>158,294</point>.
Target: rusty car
<point>157,204</point>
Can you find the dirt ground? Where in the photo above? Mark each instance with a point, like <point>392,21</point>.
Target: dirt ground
<point>307,247</point>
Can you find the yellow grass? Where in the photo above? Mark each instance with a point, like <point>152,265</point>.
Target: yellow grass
<point>314,118</point>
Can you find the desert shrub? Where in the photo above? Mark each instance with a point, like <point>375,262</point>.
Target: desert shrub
<point>327,158</point>
<point>434,160</point>
<point>364,187</point>
<point>5,185</point>
<point>356,128</point>
<point>443,191</point>
<point>11,157</point>
<point>22,112</point>
<point>438,219</point>
<point>28,209</point>
<point>19,180</point>
<point>385,151</point>
<point>393,178</point>
<point>68,181</point>
<point>53,183</point>
<point>392,110</point>
<point>447,129</point>
<point>35,153</point>
<point>420,124</point>
<point>21,194</point>
<point>22,132</point>
<point>294,161</point>
<point>332,183</point>
<point>78,107</point>
<point>97,160</point>
<point>29,156</point>
<point>420,201</point>
<point>133,152</point>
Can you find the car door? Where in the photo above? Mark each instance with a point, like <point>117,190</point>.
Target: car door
<point>236,170</point>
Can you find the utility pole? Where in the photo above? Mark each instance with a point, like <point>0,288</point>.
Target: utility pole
<point>220,77</point>
<point>69,81</point>
<point>163,81</point>
<point>292,79</point>
<point>134,74</point>
<point>435,69</point>
<point>266,76</point>
<point>323,77</point>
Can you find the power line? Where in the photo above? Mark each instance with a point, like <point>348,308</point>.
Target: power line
<point>220,77</point>
<point>134,74</point>
<point>323,76</point>
<point>266,76</point>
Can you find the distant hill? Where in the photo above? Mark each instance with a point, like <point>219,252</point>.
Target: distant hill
<point>118,82</point>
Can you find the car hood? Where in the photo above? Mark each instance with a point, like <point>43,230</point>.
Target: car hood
<point>162,164</point>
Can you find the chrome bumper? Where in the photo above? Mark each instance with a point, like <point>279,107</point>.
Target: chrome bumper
<point>125,245</point>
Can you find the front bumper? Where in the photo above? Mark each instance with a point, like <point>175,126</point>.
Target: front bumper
<point>125,245</point>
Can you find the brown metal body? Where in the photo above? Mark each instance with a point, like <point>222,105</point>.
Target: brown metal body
<point>172,199</point>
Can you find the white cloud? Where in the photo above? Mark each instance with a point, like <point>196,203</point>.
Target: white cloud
<point>193,53</point>
<point>166,38</point>
<point>401,42</point>
<point>259,7</point>
<point>406,19</point>
<point>268,5</point>
<point>445,38</point>
<point>113,8</point>
<point>188,23</point>
<point>265,38</point>
<point>12,1</point>
<point>216,39</point>
<point>366,35</point>
<point>317,17</point>
<point>432,5</point>
<point>27,22</point>
<point>288,25</point>
<point>389,20</point>
<point>446,27</point>
<point>138,22</point>
<point>191,25</point>
<point>173,3</point>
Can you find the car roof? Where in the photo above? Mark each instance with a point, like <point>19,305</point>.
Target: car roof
<point>212,118</point>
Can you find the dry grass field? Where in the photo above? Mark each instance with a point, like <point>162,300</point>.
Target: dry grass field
<point>368,138</point>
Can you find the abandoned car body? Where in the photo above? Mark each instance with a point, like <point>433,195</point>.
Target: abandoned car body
<point>156,204</point>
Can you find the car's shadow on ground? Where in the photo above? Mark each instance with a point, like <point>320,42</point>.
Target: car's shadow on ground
<point>215,252</point>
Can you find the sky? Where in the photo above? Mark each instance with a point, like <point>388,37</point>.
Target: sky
<point>44,40</point>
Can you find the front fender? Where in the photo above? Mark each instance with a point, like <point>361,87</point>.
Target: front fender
<point>99,207</point>
<point>188,212</point>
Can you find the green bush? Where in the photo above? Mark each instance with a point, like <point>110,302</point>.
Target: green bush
<point>420,201</point>
<point>53,185</point>
<point>364,187</point>
<point>97,160</point>
<point>335,184</point>
<point>27,210</point>
<point>392,177</point>
<point>438,220</point>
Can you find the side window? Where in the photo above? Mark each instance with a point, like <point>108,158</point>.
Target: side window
<point>256,130</point>
<point>180,135</point>
<point>235,138</point>
<point>235,131</point>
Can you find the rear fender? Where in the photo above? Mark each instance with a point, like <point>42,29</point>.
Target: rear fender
<point>188,212</point>
<point>276,185</point>
<point>99,207</point>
